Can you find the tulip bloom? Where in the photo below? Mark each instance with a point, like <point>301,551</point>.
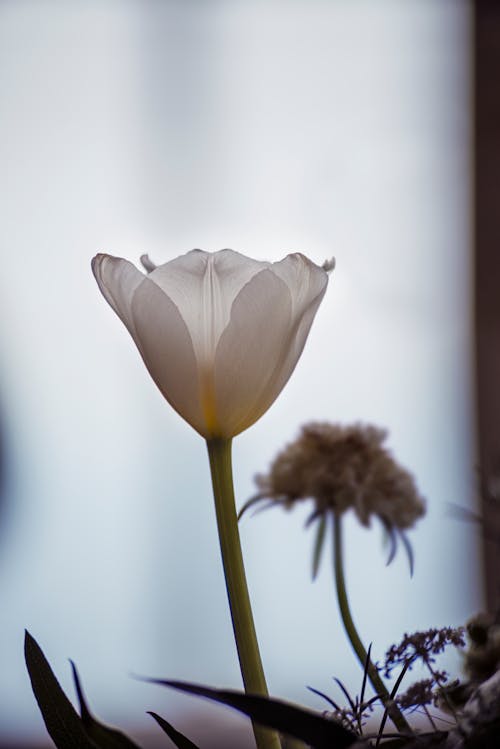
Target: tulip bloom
<point>219,333</point>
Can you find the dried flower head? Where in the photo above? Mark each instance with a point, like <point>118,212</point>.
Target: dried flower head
<point>343,467</point>
<point>423,646</point>
<point>482,658</point>
<point>419,694</point>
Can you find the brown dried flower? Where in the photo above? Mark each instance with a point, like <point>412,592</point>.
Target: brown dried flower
<point>423,646</point>
<point>482,658</point>
<point>343,467</point>
<point>417,695</point>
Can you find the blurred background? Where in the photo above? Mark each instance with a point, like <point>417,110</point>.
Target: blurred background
<point>327,127</point>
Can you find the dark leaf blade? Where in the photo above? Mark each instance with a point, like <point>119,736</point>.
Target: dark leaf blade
<point>312,728</point>
<point>365,675</point>
<point>104,736</point>
<point>409,551</point>
<point>328,699</point>
<point>250,503</point>
<point>318,546</point>
<point>84,710</point>
<point>63,723</point>
<point>390,536</point>
<point>181,741</point>
<point>392,696</point>
<point>348,697</point>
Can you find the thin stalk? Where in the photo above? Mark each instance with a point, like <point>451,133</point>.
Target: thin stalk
<point>442,691</point>
<point>352,633</point>
<point>430,718</point>
<point>219,453</point>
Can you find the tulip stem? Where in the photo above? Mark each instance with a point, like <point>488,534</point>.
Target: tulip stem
<point>219,453</point>
<point>352,633</point>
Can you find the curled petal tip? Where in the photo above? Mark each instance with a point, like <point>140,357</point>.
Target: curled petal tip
<point>101,263</point>
<point>96,262</point>
<point>147,264</point>
<point>329,265</point>
<point>98,259</point>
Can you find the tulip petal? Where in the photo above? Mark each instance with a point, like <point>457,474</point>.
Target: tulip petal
<point>249,351</point>
<point>304,279</point>
<point>270,320</point>
<point>307,283</point>
<point>118,280</point>
<point>167,349</point>
<point>204,286</point>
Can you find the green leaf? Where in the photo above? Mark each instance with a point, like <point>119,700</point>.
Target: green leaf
<point>179,739</point>
<point>63,723</point>
<point>312,728</point>
<point>318,546</point>
<point>104,736</point>
<point>392,696</point>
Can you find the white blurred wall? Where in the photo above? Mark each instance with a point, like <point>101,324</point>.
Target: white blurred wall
<point>334,128</point>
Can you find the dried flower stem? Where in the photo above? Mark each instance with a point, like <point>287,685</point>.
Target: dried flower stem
<point>358,647</point>
<point>442,692</point>
<point>430,718</point>
<point>219,452</point>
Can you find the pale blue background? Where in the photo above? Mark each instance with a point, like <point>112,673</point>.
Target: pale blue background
<point>334,128</point>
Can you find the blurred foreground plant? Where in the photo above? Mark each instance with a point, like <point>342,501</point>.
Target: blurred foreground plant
<point>473,706</point>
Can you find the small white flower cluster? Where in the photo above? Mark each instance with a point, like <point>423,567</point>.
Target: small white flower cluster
<point>343,467</point>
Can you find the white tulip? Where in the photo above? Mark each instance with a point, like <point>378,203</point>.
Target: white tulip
<point>220,333</point>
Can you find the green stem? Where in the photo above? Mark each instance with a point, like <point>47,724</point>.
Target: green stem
<point>358,647</point>
<point>219,453</point>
